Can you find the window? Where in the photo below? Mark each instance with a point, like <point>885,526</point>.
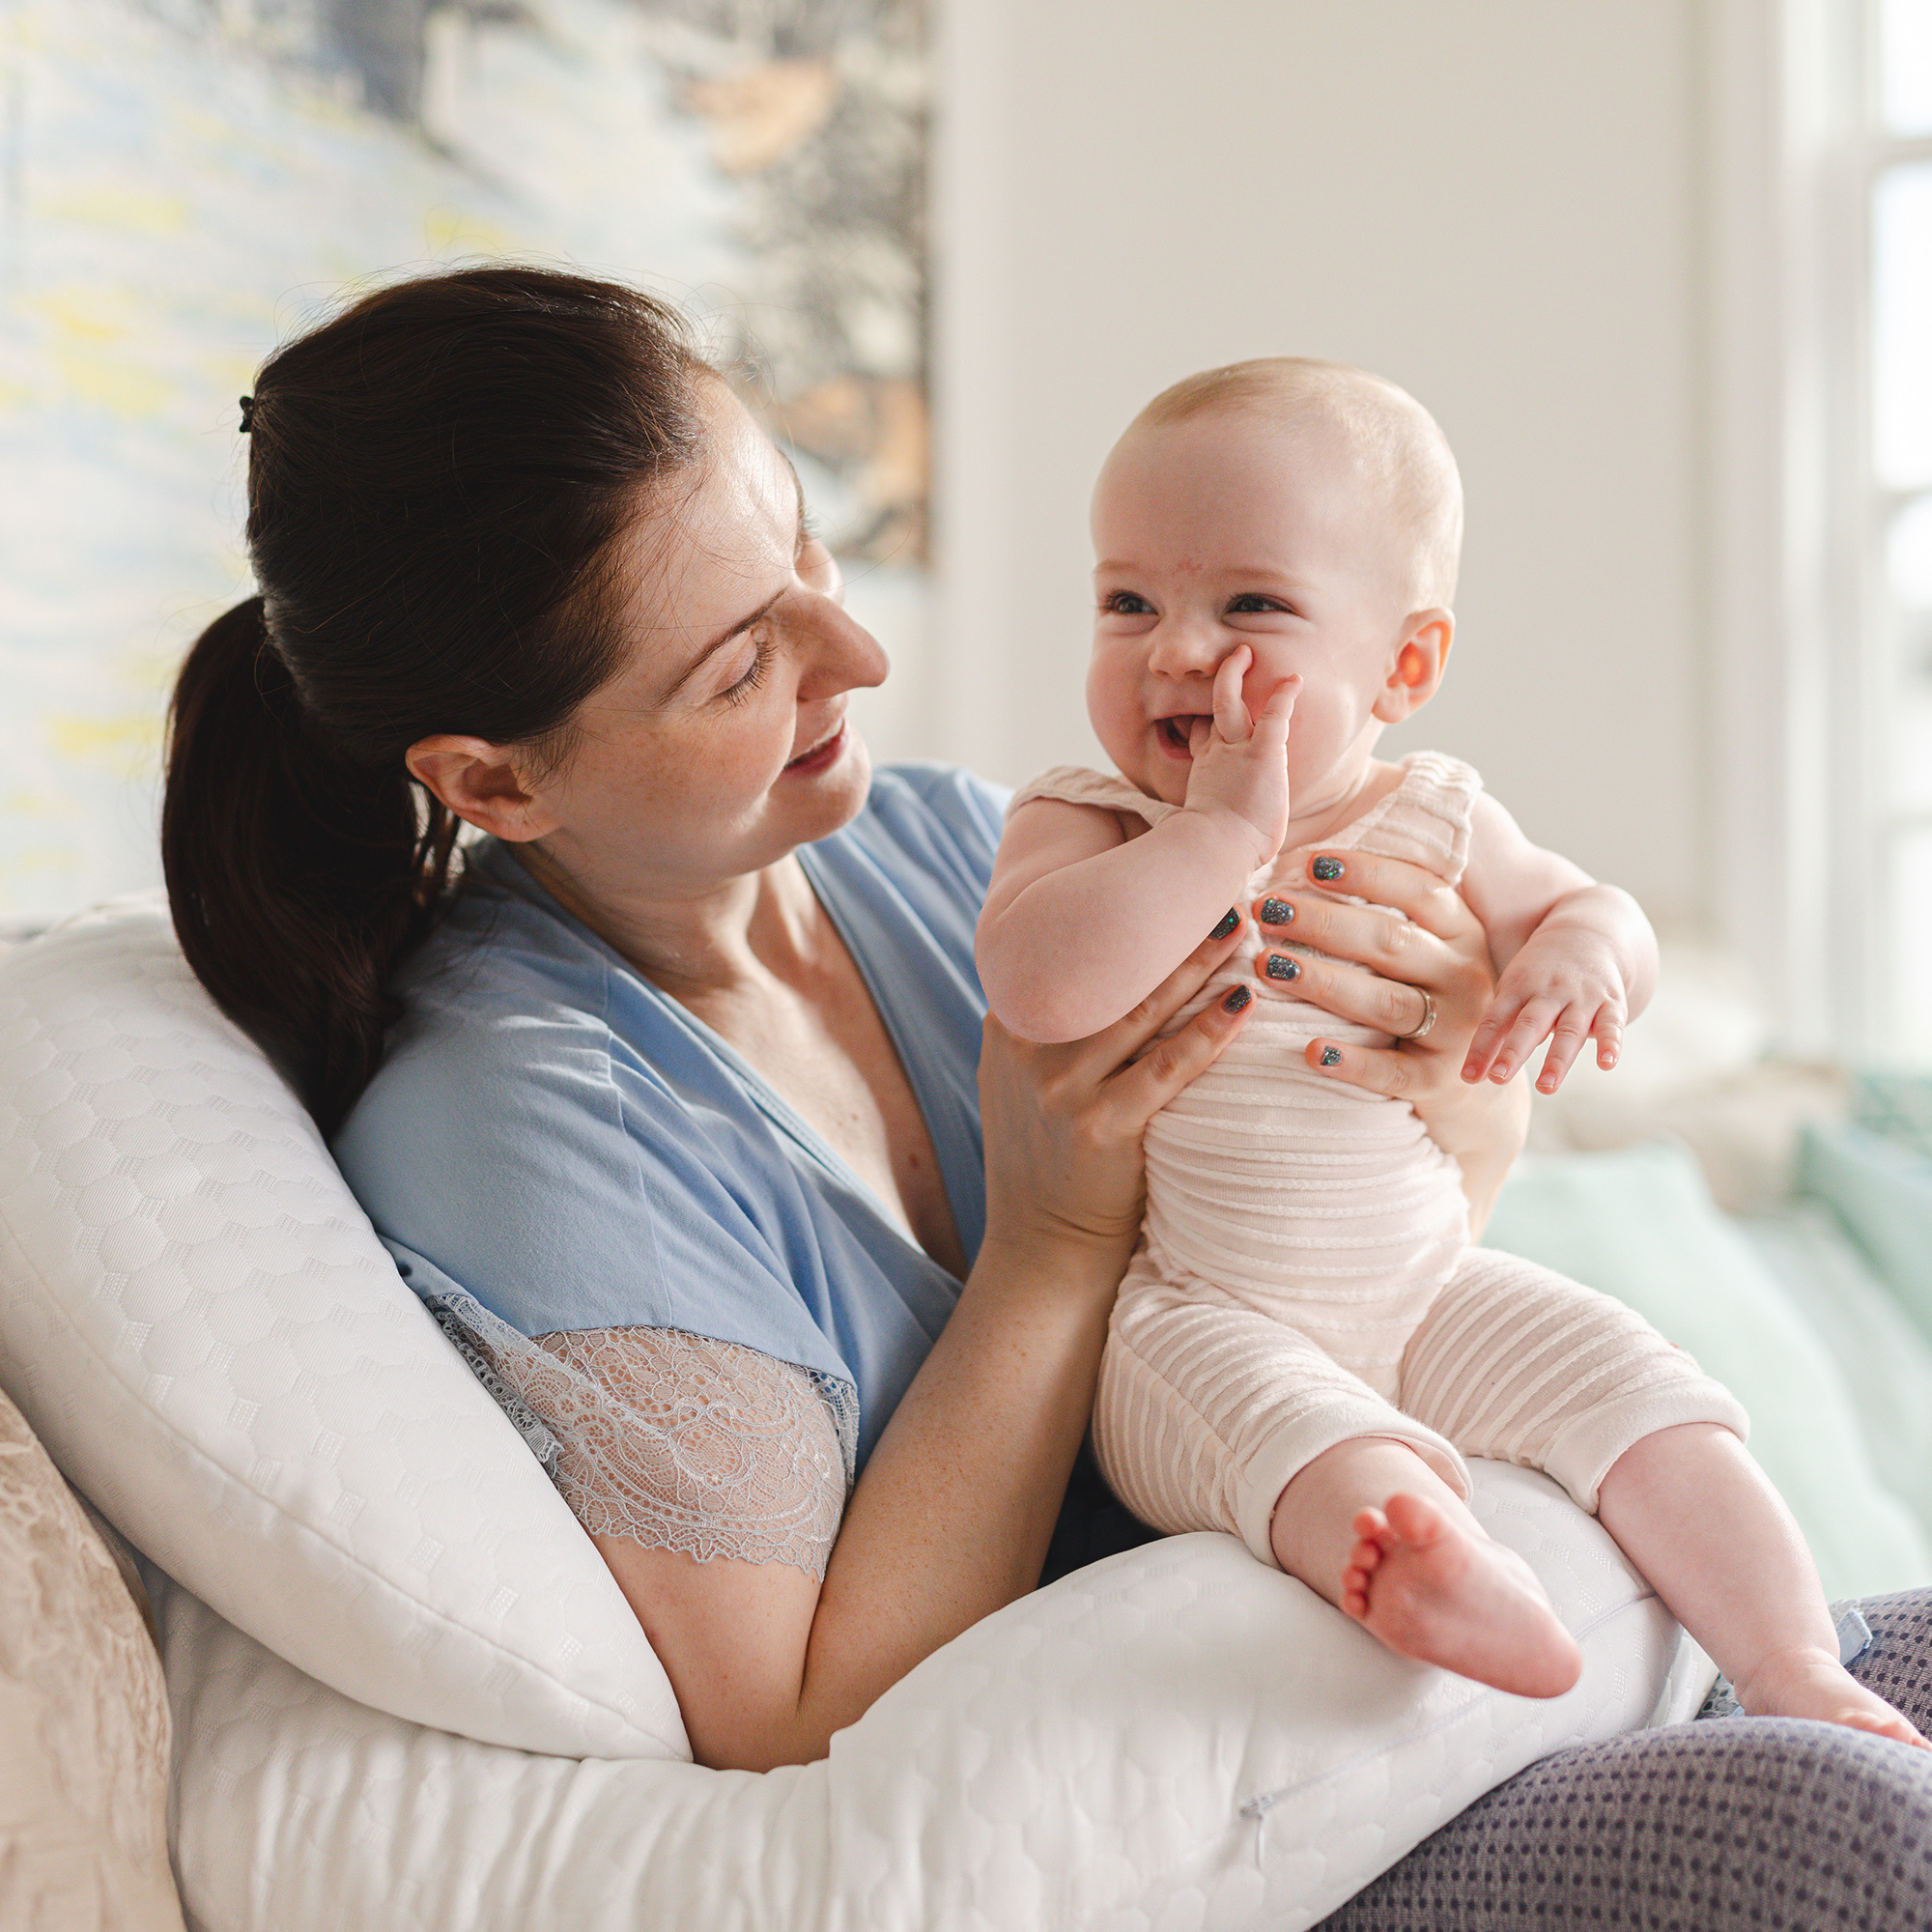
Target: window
<point>1897,488</point>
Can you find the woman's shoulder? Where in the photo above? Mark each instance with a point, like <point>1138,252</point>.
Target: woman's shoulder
<point>503,1028</point>
<point>933,817</point>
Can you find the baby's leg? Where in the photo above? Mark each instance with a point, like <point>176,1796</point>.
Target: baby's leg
<point>1516,1362</point>
<point>1212,1415</point>
<point>1371,1526</point>
<point>1699,1517</point>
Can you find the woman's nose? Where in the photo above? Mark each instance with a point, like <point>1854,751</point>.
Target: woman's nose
<point>843,655</point>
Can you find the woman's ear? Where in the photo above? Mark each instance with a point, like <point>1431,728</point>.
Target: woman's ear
<point>1420,659</point>
<point>482,783</point>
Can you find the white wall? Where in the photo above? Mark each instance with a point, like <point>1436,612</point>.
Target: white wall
<point>1494,201</point>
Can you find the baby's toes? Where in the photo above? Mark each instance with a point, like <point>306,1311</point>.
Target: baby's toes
<point>1415,1521</point>
<point>1372,1527</point>
<point>1886,1724</point>
<point>1365,1558</point>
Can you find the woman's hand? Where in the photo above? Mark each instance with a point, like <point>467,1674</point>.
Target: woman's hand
<point>1437,955</point>
<point>1062,1124</point>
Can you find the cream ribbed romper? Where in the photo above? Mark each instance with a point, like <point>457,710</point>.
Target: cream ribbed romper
<point>1304,1273</point>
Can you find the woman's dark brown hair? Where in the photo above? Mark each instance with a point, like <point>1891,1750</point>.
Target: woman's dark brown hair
<point>436,478</point>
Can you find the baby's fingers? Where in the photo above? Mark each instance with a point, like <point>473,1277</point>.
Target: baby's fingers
<point>1566,1041</point>
<point>1608,1031</point>
<point>1534,1022</point>
<point>1232,721</point>
<point>1278,708</point>
<point>1498,1019</point>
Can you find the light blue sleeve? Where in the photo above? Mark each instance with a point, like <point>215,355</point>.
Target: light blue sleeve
<point>571,1148</point>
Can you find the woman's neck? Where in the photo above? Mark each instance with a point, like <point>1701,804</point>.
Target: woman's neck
<point>701,945</point>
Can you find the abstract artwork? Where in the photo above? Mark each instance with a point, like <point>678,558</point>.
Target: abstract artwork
<point>185,182</point>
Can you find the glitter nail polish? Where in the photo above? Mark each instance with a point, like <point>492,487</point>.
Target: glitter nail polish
<point>1236,999</point>
<point>1276,912</point>
<point>1230,920</point>
<point>1331,1056</point>
<point>1326,869</point>
<point>1281,967</point>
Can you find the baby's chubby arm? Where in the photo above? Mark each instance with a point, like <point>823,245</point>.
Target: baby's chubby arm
<point>1578,960</point>
<point>1082,922</point>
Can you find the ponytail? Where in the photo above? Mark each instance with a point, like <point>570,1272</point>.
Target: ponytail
<point>297,878</point>
<point>437,481</point>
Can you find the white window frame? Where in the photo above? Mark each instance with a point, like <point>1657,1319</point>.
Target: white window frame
<point>1799,602</point>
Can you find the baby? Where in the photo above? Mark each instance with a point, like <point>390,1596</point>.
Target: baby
<point>1306,1345</point>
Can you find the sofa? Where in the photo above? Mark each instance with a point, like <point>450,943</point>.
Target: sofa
<point>295,1633</point>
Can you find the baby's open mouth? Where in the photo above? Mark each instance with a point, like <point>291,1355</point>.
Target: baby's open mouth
<point>1175,732</point>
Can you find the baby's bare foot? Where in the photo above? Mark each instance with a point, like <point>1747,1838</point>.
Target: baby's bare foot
<point>1809,1683</point>
<point>1433,1590</point>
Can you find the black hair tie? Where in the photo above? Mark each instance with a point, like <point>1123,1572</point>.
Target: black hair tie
<point>247,414</point>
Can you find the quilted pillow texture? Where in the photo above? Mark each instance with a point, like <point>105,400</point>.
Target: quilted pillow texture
<point>1176,1738</point>
<point>83,1719</point>
<point>201,1326</point>
<point>406,1693</point>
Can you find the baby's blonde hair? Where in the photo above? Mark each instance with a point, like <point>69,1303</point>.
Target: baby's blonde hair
<point>1398,452</point>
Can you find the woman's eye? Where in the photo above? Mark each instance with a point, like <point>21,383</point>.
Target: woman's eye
<point>754,674</point>
<point>1125,604</point>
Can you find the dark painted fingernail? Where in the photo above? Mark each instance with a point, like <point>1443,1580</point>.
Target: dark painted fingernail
<point>1331,1056</point>
<point>1236,999</point>
<point>1326,869</point>
<point>1281,967</point>
<point>1230,920</point>
<point>1276,912</point>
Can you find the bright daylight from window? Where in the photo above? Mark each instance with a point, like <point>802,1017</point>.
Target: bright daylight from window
<point>1901,444</point>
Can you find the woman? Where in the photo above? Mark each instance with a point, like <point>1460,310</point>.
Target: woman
<point>677,1130</point>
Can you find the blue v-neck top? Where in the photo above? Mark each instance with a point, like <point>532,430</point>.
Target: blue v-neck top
<point>553,1135</point>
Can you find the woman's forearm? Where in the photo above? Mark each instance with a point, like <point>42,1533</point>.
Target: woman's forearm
<point>949,1521</point>
<point>952,1517</point>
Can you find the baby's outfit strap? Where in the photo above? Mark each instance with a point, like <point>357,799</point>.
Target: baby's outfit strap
<point>1075,784</point>
<point>1425,819</point>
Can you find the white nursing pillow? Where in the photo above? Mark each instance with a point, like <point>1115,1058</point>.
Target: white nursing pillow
<point>381,1610</point>
<point>201,1325</point>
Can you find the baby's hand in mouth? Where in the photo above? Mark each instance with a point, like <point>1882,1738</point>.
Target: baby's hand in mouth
<point>1240,757</point>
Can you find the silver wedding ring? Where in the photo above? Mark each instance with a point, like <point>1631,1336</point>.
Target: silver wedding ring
<point>1427,1020</point>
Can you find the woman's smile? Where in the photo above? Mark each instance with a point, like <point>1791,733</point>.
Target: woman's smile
<point>821,756</point>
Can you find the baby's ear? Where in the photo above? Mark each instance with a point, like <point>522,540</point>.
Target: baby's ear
<point>1420,659</point>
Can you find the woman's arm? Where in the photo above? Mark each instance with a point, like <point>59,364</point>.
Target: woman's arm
<point>951,1516</point>
<point>1439,949</point>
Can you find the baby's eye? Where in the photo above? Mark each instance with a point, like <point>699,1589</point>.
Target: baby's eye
<point>1252,601</point>
<point>1125,604</point>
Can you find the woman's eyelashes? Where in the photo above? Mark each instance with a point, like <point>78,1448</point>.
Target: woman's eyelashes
<point>754,672</point>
